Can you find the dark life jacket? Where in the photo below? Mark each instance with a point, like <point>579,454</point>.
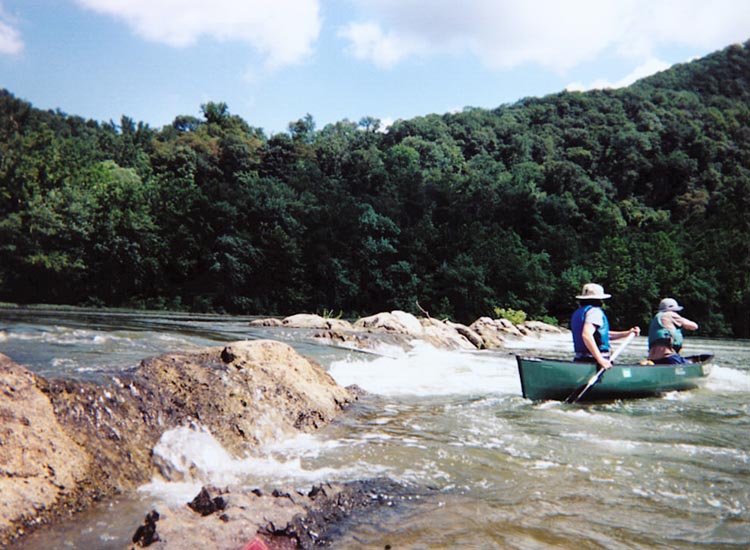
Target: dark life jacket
<point>658,334</point>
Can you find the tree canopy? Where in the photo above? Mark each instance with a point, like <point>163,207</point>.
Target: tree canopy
<point>645,190</point>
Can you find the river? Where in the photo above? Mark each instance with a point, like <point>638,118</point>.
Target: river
<point>669,472</point>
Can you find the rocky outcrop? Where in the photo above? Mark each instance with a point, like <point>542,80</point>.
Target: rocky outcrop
<point>399,328</point>
<point>42,469</point>
<point>495,332</point>
<point>65,443</point>
<point>445,334</point>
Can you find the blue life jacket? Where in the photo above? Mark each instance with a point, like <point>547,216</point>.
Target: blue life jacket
<point>601,335</point>
<point>659,335</point>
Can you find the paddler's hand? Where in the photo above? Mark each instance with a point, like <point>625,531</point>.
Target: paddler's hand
<point>605,363</point>
<point>636,330</point>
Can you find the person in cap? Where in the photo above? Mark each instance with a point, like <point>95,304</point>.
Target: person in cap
<point>590,327</point>
<point>665,333</point>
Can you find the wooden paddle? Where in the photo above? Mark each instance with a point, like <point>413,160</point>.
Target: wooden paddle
<point>576,395</point>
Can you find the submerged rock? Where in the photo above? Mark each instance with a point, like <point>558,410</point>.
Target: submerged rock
<point>267,322</point>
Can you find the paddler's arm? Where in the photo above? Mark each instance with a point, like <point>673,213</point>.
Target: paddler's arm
<point>588,339</point>
<point>686,323</point>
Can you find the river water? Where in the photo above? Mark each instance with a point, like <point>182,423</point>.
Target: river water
<point>671,472</point>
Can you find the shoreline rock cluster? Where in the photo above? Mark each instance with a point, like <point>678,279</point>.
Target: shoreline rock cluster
<point>402,328</point>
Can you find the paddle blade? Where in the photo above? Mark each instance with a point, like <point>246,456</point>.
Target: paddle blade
<point>576,395</point>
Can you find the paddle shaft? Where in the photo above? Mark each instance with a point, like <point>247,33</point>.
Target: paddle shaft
<point>621,347</point>
<point>595,378</point>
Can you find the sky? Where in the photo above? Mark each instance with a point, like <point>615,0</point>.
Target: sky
<point>275,61</point>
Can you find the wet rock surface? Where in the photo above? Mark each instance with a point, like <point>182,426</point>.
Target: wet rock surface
<point>146,534</point>
<point>43,472</point>
<point>286,518</point>
<point>66,444</point>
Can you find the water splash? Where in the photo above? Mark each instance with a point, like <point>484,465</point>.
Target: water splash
<point>426,370</point>
<point>727,379</point>
<point>190,457</point>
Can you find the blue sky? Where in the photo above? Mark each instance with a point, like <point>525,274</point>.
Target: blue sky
<point>274,61</point>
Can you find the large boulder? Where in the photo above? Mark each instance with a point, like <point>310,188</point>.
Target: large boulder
<point>447,335</point>
<point>395,321</point>
<point>68,443</point>
<point>306,320</point>
<point>41,467</point>
<point>495,332</point>
<point>538,327</point>
<point>467,332</point>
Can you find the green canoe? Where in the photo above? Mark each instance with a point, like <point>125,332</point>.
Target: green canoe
<point>555,379</point>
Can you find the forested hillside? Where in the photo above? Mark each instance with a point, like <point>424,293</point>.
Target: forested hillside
<point>645,190</point>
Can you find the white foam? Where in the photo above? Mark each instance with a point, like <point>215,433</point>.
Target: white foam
<point>193,453</point>
<point>171,492</point>
<point>191,457</point>
<point>306,445</point>
<point>728,379</point>
<point>427,370</point>
<point>546,341</point>
<point>63,363</point>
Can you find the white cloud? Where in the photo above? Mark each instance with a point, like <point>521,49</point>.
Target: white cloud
<point>649,67</point>
<point>386,123</point>
<point>10,38</point>
<point>281,30</point>
<point>368,42</point>
<point>550,33</point>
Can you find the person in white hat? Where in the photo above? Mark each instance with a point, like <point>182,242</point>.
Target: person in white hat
<point>590,327</point>
<point>665,333</point>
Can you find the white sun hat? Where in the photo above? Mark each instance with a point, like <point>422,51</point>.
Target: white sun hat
<point>593,291</point>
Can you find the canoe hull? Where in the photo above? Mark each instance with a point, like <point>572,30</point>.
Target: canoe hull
<point>553,379</point>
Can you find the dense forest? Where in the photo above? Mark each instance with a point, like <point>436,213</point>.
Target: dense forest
<point>645,190</point>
